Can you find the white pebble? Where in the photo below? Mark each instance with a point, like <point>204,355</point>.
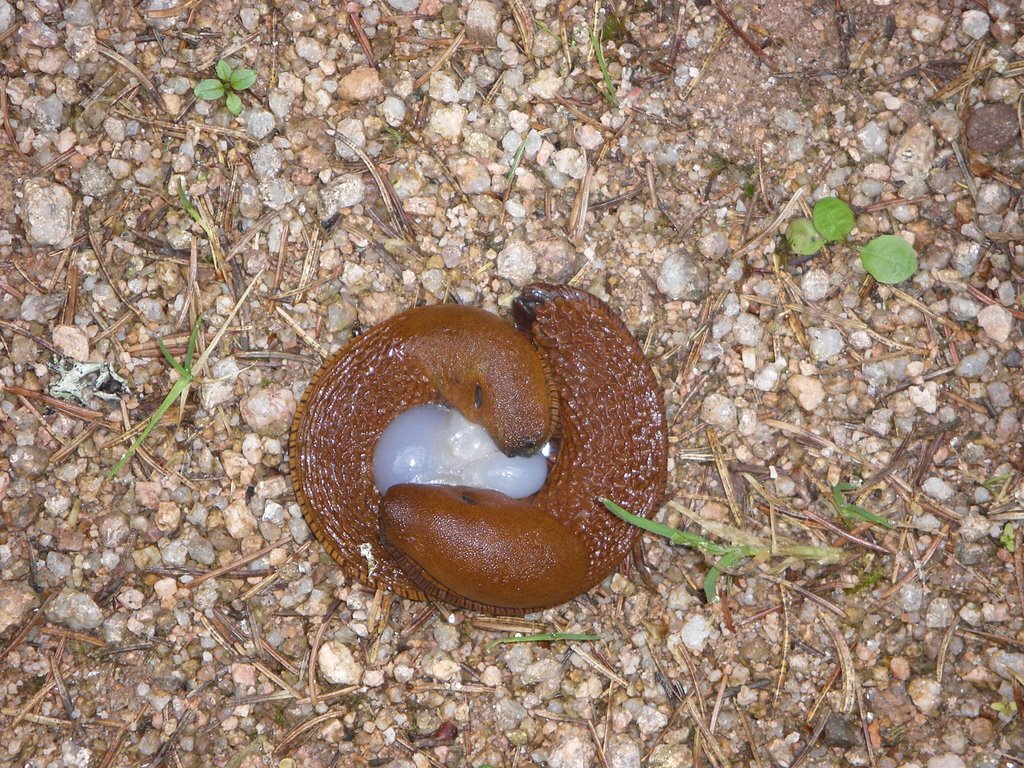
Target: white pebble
<point>337,665</point>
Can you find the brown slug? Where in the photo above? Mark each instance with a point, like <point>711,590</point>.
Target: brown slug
<point>568,370</point>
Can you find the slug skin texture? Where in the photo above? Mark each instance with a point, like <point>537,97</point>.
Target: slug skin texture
<point>566,370</point>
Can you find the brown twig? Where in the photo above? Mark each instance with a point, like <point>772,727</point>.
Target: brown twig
<point>747,39</point>
<point>355,20</point>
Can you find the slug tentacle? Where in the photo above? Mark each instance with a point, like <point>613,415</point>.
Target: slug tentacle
<point>568,371</point>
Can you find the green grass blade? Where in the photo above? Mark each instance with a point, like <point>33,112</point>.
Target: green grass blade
<point>544,637</point>
<point>170,358</point>
<point>188,206</point>
<point>725,562</point>
<point>517,158</point>
<point>849,510</point>
<point>609,89</point>
<point>176,390</point>
<point>674,536</point>
<point>192,343</point>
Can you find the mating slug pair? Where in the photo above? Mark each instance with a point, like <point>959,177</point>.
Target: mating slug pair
<point>566,370</point>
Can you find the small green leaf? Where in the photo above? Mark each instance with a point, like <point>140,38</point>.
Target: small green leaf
<point>209,89</point>
<point>224,71</point>
<point>803,238</point>
<point>545,637</point>
<point>242,79</point>
<point>1008,538</point>
<point>233,103</point>
<point>833,219</point>
<point>889,259</point>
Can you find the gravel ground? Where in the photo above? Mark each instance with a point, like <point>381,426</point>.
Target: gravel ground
<point>179,614</point>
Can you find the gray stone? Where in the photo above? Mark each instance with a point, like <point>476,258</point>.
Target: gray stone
<point>79,12</point>
<point>516,263</point>
<point>938,489</point>
<point>219,387</point>
<point>266,161</point>
<point>825,343</point>
<point>682,277</point>
<point>975,24</point>
<point>963,308</point>
<point>912,158</point>
<point>874,139</point>
<point>258,122</point>
<point>94,178</point>
<point>973,365</point>
<point>49,115</point>
<point>993,197</point>
<point>815,284</point>
<point>6,15</point>
<point>46,212</point>
<point>74,610</point>
<point>344,191</point>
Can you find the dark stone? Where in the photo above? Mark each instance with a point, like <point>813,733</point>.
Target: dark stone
<point>991,128</point>
<point>840,732</point>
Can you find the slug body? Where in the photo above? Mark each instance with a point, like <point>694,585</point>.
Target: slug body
<point>567,371</point>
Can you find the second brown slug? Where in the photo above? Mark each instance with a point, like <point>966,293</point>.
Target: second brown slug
<point>567,371</point>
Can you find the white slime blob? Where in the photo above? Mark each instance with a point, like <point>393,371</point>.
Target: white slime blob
<point>432,445</point>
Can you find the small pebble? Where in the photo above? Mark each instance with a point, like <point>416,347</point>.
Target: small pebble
<point>807,390</point>
<point>682,277</point>
<point>337,665</point>
<point>16,600</point>
<point>344,191</point>
<point>996,321</point>
<point>238,520</point>
<point>975,24</point>
<point>973,365</point>
<point>926,693</point>
<point>719,411</point>
<point>991,128</point>
<point>482,21</point>
<point>361,84</point>
<point>46,212</point>
<point>269,410</point>
<point>938,489</point>
<point>28,460</point>
<point>516,263</point>
<point>572,752</point>
<point>74,610</point>
<point>815,284</point>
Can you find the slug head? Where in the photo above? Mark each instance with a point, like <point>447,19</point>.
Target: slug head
<point>481,550</point>
<point>494,376</point>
